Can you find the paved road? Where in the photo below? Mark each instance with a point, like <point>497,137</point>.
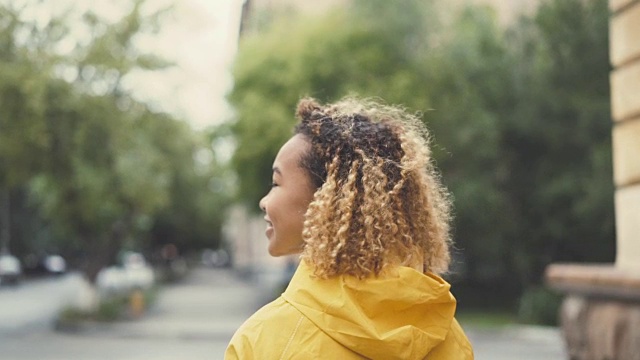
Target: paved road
<point>516,343</point>
<point>34,303</point>
<point>191,320</point>
<point>196,318</point>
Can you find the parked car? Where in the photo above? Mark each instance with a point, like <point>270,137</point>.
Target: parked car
<point>134,273</point>
<point>44,265</point>
<point>139,273</point>
<point>55,264</point>
<point>10,269</point>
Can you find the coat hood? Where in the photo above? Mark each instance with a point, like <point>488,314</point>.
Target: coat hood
<point>402,314</point>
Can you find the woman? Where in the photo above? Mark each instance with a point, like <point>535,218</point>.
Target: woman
<point>355,193</point>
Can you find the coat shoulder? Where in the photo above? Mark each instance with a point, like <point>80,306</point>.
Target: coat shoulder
<point>279,331</point>
<point>456,346</point>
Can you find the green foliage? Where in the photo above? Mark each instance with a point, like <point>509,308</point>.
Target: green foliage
<point>102,171</point>
<point>485,319</point>
<point>559,151</point>
<point>468,91</point>
<point>519,118</point>
<point>22,142</point>
<point>109,309</point>
<point>539,306</point>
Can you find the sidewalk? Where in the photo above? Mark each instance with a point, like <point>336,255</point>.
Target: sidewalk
<point>516,342</point>
<point>204,311</point>
<point>193,319</point>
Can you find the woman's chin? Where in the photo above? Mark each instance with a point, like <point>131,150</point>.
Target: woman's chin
<point>274,250</point>
<point>277,252</point>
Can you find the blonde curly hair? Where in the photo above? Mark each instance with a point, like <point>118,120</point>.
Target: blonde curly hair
<point>379,201</point>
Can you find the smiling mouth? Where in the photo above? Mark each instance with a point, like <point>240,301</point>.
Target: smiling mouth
<point>269,231</point>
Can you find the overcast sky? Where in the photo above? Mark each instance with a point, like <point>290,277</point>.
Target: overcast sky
<point>199,36</point>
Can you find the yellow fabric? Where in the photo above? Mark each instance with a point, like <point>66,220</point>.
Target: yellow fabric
<point>404,315</point>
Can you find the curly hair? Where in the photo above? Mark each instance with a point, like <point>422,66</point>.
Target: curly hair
<point>379,200</point>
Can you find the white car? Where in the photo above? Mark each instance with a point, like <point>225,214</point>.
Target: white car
<point>139,273</point>
<point>10,269</point>
<point>135,273</point>
<point>55,264</point>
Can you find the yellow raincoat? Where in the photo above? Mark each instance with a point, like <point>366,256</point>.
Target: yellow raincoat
<point>405,315</point>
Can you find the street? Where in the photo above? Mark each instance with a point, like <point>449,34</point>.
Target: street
<point>33,304</point>
<point>516,343</point>
<point>194,319</point>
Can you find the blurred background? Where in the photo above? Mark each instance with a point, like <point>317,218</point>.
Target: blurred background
<point>102,147</point>
<point>137,137</point>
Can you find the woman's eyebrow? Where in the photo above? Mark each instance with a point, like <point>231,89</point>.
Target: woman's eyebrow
<point>277,170</point>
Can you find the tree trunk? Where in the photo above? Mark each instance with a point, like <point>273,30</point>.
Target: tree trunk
<point>104,253</point>
<point>5,210</point>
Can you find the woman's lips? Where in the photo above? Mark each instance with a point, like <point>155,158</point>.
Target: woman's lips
<point>269,230</point>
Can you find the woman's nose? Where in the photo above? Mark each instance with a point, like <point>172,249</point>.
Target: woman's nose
<point>263,204</point>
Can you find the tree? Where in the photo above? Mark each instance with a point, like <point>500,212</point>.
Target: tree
<point>102,170</point>
<point>22,126</point>
<point>559,150</point>
<point>198,194</point>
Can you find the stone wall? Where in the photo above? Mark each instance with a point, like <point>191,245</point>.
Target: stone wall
<point>625,104</point>
<point>600,316</point>
<point>612,328</point>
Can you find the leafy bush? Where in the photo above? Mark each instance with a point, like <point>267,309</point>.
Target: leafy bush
<point>539,306</point>
<point>109,309</point>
